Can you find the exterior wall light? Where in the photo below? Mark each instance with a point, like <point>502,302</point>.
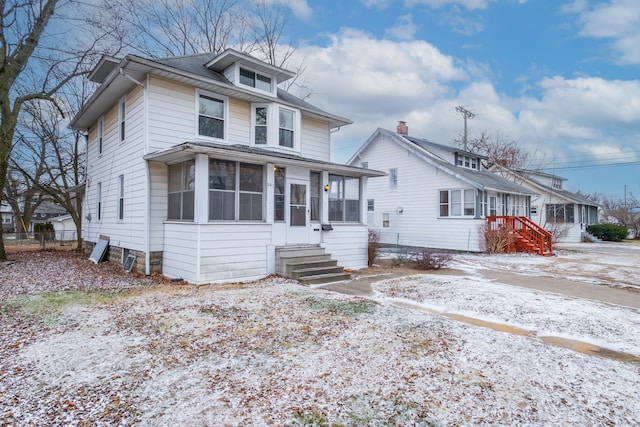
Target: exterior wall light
<point>327,187</point>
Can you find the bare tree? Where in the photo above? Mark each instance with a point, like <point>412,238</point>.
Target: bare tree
<point>52,160</point>
<point>40,52</point>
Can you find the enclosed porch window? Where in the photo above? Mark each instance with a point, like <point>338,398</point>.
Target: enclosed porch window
<point>344,198</point>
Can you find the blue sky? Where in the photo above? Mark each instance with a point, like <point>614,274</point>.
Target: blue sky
<point>561,78</point>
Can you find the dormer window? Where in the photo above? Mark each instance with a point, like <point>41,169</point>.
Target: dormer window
<point>255,80</point>
<point>556,183</point>
<point>467,161</point>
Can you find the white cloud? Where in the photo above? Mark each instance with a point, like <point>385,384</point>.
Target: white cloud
<point>405,29</point>
<point>376,82</point>
<point>617,20</point>
<point>300,8</point>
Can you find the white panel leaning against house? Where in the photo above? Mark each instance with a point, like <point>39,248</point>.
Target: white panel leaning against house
<point>435,196</point>
<point>203,169</point>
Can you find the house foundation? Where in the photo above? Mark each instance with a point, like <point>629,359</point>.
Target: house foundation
<point>117,255</point>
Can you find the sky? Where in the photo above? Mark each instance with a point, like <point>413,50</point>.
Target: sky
<point>560,78</point>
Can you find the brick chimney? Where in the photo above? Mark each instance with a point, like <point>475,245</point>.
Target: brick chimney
<point>403,129</point>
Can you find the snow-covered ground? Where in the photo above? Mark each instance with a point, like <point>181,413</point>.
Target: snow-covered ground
<point>277,353</point>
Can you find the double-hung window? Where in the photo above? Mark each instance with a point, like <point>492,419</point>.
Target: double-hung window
<point>260,128</point>
<point>286,128</point>
<point>211,116</point>
<point>181,191</point>
<point>235,191</point>
<point>344,198</point>
<point>457,203</point>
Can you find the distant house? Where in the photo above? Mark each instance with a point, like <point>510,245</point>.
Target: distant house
<point>6,215</point>
<point>45,212</point>
<point>435,196</point>
<point>203,169</point>
<point>562,212</point>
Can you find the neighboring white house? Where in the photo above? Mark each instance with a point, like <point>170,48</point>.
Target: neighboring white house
<point>562,212</point>
<point>201,167</point>
<point>434,196</point>
<point>6,215</point>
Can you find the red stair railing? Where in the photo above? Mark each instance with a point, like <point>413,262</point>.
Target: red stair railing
<point>531,237</point>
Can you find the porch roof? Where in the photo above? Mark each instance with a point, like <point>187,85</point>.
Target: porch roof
<point>244,153</point>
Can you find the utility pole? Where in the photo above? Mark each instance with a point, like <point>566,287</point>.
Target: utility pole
<point>466,114</point>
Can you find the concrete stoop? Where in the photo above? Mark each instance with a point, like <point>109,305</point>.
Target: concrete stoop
<point>310,265</point>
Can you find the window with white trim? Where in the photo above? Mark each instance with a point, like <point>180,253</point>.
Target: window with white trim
<point>370,205</point>
<point>121,197</point>
<point>278,193</point>
<point>286,129</point>
<point>260,125</point>
<point>315,188</point>
<point>99,201</point>
<point>100,133</point>
<point>211,116</point>
<point>344,198</point>
<point>393,178</point>
<point>468,162</point>
<point>255,80</point>
<point>181,191</point>
<point>457,203</point>
<point>122,111</point>
<point>235,191</point>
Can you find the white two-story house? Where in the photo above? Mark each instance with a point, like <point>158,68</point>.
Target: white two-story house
<point>202,168</point>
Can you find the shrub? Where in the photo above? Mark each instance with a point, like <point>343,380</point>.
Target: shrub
<point>609,232</point>
<point>43,227</point>
<point>497,241</point>
<point>374,245</point>
<point>428,260</point>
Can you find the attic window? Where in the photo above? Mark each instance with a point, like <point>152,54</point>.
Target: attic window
<point>556,183</point>
<point>252,79</point>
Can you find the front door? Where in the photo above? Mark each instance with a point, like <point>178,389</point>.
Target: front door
<point>298,212</point>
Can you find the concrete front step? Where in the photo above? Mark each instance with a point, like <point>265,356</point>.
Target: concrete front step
<point>309,265</point>
<point>324,278</point>
<point>300,273</point>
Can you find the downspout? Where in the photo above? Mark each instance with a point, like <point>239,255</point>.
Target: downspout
<point>131,78</point>
<point>147,196</point>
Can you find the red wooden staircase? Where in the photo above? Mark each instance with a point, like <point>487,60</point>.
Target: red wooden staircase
<point>522,234</point>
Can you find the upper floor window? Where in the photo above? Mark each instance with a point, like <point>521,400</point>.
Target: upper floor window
<point>181,191</point>
<point>393,178</point>
<point>275,126</point>
<point>211,116</point>
<point>260,126</point>
<point>556,183</point>
<point>100,133</point>
<point>467,161</point>
<point>99,201</point>
<point>286,128</point>
<point>255,80</point>
<point>122,109</point>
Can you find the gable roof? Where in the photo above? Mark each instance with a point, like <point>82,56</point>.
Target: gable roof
<point>117,78</point>
<point>528,177</point>
<point>482,180</point>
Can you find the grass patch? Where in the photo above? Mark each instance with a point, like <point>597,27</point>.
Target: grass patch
<point>343,308</point>
<point>50,302</point>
